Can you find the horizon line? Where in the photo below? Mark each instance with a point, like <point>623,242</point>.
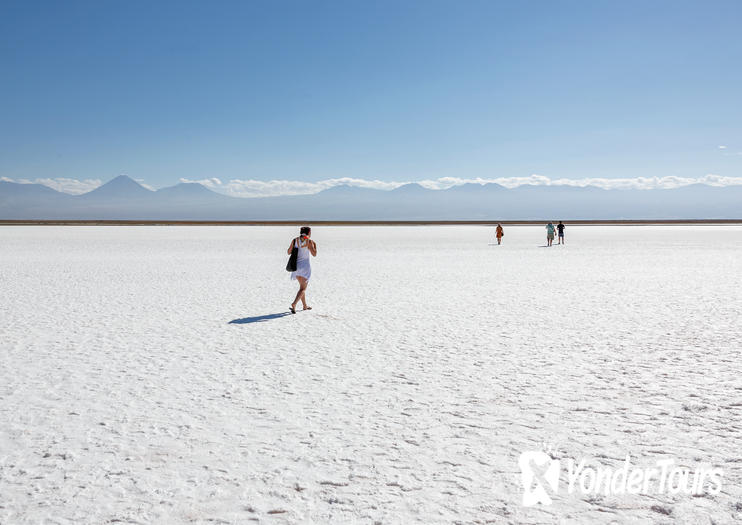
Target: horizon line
<point>295,223</point>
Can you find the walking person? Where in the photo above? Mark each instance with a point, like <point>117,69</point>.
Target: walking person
<point>303,272</point>
<point>560,232</point>
<point>499,233</point>
<point>549,234</point>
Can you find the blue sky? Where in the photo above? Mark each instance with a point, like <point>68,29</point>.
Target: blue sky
<point>385,91</point>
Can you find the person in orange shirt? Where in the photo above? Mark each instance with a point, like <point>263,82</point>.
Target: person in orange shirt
<point>499,233</point>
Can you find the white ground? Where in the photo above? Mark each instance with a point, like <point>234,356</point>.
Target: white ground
<point>429,363</point>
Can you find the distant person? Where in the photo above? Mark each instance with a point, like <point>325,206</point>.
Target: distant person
<point>306,246</point>
<point>560,232</point>
<point>549,234</point>
<point>499,233</point>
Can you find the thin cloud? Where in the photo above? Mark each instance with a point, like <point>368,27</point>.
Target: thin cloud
<point>272,188</point>
<point>63,184</point>
<point>144,184</point>
<point>275,188</point>
<point>722,147</point>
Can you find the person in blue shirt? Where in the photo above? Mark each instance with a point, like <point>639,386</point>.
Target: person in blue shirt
<point>550,234</point>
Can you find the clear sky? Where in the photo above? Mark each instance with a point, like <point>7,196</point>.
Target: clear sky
<point>384,90</point>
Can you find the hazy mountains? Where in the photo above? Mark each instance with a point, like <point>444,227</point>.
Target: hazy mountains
<point>123,198</point>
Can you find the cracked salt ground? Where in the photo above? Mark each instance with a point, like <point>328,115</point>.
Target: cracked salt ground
<point>429,363</point>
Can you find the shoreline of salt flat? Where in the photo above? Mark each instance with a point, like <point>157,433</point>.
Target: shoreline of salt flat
<point>293,222</point>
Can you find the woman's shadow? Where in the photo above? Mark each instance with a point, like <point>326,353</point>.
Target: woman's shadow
<point>259,318</point>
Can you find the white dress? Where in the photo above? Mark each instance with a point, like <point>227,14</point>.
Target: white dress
<point>303,268</point>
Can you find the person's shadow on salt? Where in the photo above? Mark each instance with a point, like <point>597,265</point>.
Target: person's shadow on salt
<point>259,318</point>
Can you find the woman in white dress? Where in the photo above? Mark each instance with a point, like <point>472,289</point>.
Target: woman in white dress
<point>303,269</point>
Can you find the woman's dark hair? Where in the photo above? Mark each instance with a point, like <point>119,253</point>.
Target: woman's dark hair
<point>305,230</point>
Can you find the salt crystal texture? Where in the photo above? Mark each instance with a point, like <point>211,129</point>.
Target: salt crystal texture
<point>151,374</point>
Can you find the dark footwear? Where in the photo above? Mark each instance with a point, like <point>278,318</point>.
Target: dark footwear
<point>291,309</point>
<point>308,308</point>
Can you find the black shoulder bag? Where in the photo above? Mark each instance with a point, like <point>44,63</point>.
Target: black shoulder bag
<point>291,265</point>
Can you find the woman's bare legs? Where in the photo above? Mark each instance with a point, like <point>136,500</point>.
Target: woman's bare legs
<point>300,294</point>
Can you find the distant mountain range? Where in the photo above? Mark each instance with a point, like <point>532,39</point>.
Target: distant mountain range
<point>123,198</point>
